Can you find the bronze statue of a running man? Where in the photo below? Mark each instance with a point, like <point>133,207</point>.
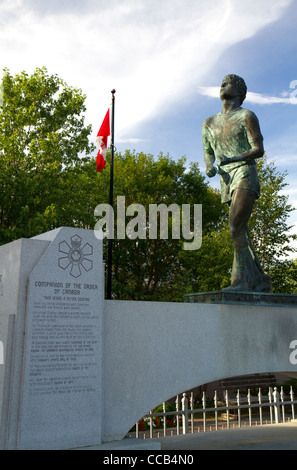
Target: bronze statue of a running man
<point>232,138</point>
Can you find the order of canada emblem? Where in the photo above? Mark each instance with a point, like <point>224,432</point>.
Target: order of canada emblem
<point>76,256</point>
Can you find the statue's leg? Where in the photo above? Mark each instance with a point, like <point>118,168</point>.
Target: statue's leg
<point>247,272</point>
<point>240,210</point>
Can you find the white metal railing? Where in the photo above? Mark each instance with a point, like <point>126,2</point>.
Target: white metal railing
<point>183,419</point>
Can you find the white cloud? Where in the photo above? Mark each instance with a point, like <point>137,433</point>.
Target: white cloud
<point>153,52</point>
<point>257,98</point>
<point>130,140</point>
<point>252,97</point>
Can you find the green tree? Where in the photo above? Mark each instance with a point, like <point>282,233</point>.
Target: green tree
<point>269,223</point>
<point>155,269</point>
<point>210,266</point>
<point>42,139</point>
<point>284,276</point>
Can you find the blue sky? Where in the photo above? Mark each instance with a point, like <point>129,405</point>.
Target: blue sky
<point>165,58</point>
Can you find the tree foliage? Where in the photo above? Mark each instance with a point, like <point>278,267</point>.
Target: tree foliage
<point>269,223</point>
<point>210,266</point>
<point>284,276</point>
<point>156,269</point>
<point>42,138</point>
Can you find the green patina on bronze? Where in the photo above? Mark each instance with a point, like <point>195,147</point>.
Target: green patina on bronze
<point>232,139</point>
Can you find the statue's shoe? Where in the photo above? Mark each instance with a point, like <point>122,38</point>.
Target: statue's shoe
<point>263,285</point>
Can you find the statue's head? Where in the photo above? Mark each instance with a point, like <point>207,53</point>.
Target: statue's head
<point>239,85</point>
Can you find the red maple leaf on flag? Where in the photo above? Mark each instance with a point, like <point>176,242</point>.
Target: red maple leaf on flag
<point>101,140</point>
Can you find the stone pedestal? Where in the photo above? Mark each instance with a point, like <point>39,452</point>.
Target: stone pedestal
<point>51,315</point>
<point>242,298</point>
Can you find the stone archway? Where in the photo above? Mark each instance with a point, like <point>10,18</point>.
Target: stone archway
<point>155,350</point>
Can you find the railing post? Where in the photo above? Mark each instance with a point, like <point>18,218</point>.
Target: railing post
<point>227,408</point>
<point>177,414</point>
<point>260,407</point>
<point>164,419</point>
<point>192,414</point>
<point>292,400</point>
<point>216,406</point>
<point>185,414</point>
<point>204,414</point>
<point>238,409</point>
<point>137,430</point>
<point>270,404</point>
<point>151,424</point>
<point>250,409</point>
<point>282,395</point>
<point>276,405</point>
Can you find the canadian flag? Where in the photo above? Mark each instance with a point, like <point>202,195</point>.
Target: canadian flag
<point>101,140</point>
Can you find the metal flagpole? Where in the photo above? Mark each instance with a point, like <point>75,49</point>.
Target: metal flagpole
<point>110,241</point>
